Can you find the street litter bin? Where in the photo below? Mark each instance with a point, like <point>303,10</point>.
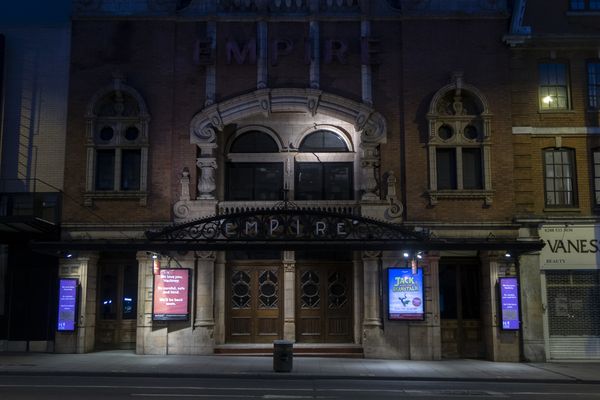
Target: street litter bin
<point>283,355</point>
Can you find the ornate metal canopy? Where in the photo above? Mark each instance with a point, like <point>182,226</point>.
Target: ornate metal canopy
<point>284,225</point>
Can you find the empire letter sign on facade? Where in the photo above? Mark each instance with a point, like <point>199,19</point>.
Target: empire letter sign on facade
<point>335,47</point>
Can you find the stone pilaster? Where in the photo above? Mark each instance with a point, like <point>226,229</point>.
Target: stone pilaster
<point>204,323</point>
<point>85,269</point>
<point>425,336</point>
<point>532,312</point>
<point>219,293</point>
<point>359,309</point>
<point>151,337</point>
<point>372,333</point>
<point>289,296</point>
<point>500,345</point>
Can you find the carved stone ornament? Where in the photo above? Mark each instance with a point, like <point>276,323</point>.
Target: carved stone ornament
<point>206,133</point>
<point>206,185</point>
<point>181,209</point>
<point>264,101</point>
<point>371,254</point>
<point>161,5</point>
<point>214,117</point>
<point>289,267</point>
<point>312,101</point>
<point>87,5</point>
<point>205,255</point>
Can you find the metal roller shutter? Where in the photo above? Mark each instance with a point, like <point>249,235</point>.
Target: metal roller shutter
<point>574,314</point>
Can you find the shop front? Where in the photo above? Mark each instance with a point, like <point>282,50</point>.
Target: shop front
<point>571,290</point>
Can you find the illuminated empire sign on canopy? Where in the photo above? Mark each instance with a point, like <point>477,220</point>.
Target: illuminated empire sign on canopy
<point>282,224</point>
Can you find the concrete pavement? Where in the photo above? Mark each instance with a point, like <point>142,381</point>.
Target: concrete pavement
<point>126,363</point>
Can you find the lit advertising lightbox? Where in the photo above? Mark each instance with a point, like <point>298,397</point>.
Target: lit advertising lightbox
<point>405,294</point>
<point>67,304</point>
<point>171,295</point>
<point>509,303</point>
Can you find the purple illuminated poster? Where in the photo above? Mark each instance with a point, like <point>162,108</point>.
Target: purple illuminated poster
<point>67,301</point>
<point>509,301</point>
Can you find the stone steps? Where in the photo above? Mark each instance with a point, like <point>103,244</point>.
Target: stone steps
<point>325,351</point>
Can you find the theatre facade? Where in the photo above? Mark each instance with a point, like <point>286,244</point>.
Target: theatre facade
<point>328,172</point>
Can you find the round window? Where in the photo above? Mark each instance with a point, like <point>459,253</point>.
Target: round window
<point>132,133</point>
<point>106,134</point>
<point>445,132</point>
<point>470,132</point>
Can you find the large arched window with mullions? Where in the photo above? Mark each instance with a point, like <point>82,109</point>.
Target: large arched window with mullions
<point>323,180</point>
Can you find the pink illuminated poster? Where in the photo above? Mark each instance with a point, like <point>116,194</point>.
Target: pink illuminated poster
<point>171,295</point>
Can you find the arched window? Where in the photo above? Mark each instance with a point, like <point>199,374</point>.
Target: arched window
<point>261,180</point>
<point>117,135</point>
<point>254,142</point>
<point>323,141</point>
<point>459,143</point>
<point>323,180</point>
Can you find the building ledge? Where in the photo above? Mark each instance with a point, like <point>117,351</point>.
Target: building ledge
<point>141,196</point>
<point>487,195</point>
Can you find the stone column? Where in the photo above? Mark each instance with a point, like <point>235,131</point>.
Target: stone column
<point>289,296</point>
<point>372,333</point>
<point>500,345</point>
<point>219,293</point>
<point>204,323</point>
<point>85,269</point>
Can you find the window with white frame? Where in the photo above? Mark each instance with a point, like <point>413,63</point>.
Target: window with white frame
<point>459,144</point>
<point>559,178</point>
<point>117,123</point>
<point>553,86</point>
<point>593,72</point>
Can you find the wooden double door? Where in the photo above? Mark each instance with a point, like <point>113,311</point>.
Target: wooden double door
<point>323,302</point>
<point>254,294</point>
<point>461,309</point>
<point>116,318</point>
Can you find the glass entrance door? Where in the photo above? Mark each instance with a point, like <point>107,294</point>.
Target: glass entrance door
<point>460,307</point>
<point>117,306</point>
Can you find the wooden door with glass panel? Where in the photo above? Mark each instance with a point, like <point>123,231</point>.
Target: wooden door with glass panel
<point>116,322</point>
<point>324,303</point>
<point>255,304</point>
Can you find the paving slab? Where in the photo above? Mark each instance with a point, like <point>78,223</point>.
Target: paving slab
<point>126,363</point>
